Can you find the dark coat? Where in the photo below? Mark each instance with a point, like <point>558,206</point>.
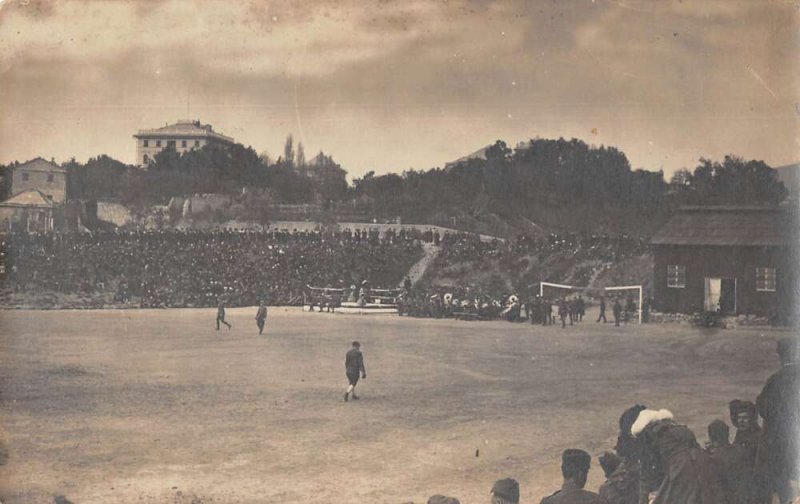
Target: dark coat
<point>571,494</point>
<point>779,406</point>
<point>688,475</point>
<point>622,487</point>
<point>354,363</point>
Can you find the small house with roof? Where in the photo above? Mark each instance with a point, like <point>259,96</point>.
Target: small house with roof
<point>183,136</point>
<point>29,211</point>
<point>731,260</point>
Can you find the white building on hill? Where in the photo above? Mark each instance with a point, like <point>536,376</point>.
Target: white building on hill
<point>183,136</point>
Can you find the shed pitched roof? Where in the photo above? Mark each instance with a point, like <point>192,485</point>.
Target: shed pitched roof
<point>30,198</point>
<point>185,129</point>
<point>40,164</point>
<point>727,226</point>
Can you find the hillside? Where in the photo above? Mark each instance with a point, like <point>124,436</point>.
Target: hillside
<point>496,268</point>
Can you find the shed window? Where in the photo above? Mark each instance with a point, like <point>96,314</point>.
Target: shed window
<point>49,177</point>
<point>183,143</point>
<point>26,176</point>
<point>676,276</point>
<point>765,279</point>
<point>145,143</point>
<point>158,143</point>
<point>197,143</point>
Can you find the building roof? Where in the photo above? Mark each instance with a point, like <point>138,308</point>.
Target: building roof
<point>727,226</point>
<point>30,198</point>
<point>184,129</point>
<point>39,164</point>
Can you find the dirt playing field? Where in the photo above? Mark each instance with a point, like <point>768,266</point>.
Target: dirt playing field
<point>157,406</point>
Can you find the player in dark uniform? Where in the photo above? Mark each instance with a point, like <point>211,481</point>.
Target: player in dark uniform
<point>617,308</point>
<point>602,315</point>
<point>221,315</point>
<point>261,316</point>
<point>354,366</point>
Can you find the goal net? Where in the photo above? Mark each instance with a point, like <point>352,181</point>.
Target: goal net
<point>549,290</point>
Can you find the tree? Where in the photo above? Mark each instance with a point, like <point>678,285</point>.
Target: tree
<point>288,150</point>
<point>301,155</point>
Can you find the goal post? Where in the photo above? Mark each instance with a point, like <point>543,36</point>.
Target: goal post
<point>542,285</point>
<point>630,287</point>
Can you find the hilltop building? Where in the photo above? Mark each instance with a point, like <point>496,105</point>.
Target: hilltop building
<point>184,136</point>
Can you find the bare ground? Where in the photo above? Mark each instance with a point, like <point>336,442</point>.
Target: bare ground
<point>124,406</point>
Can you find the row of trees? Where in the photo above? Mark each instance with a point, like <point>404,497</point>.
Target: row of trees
<point>212,169</point>
<point>567,184</point>
<point>560,184</point>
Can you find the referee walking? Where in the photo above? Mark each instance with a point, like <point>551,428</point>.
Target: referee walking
<point>354,366</point>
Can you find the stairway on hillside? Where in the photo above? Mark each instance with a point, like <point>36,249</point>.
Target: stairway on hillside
<point>419,268</point>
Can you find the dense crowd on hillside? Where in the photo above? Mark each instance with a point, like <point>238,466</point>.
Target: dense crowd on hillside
<point>197,268</point>
<point>194,268</point>
<point>658,460</point>
<point>464,247</point>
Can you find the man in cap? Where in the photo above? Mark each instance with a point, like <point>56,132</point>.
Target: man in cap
<point>745,418</point>
<point>505,491</point>
<point>354,365</point>
<point>779,406</point>
<point>575,469</point>
<point>745,442</point>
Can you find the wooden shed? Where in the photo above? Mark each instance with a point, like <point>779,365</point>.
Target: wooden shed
<point>733,260</point>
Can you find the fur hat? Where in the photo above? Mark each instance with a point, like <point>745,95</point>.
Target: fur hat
<point>646,417</point>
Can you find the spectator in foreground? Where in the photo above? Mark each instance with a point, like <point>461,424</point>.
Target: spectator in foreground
<point>723,455</point>
<point>779,406</point>
<point>686,474</point>
<point>505,491</point>
<point>575,469</point>
<point>622,485</point>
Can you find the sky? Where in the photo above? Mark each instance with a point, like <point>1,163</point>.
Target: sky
<point>393,85</point>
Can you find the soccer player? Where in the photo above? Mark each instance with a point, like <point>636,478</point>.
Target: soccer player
<point>354,365</point>
<point>261,316</point>
<point>221,315</point>
<point>602,310</point>
<point>617,309</point>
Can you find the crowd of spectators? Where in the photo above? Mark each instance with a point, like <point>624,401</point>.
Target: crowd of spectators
<point>658,460</point>
<point>461,247</point>
<point>196,268</point>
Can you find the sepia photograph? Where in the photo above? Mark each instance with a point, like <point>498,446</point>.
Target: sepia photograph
<point>399,251</point>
